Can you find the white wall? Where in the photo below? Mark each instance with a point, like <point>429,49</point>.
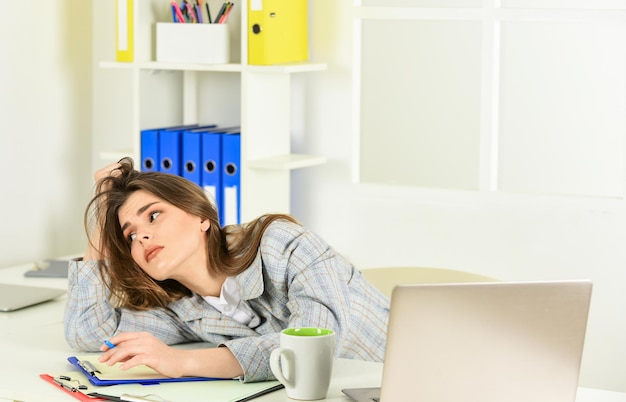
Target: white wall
<point>45,174</point>
<point>45,115</point>
<point>504,235</point>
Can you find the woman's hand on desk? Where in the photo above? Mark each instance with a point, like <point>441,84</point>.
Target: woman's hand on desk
<point>137,348</point>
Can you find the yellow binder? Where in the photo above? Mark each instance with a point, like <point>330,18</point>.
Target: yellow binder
<point>124,34</point>
<point>277,31</point>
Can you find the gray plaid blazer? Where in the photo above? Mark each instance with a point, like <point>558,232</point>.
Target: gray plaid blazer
<point>296,280</point>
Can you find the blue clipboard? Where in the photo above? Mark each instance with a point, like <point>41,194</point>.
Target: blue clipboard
<point>92,370</point>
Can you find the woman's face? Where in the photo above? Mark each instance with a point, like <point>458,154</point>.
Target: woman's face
<point>165,241</point>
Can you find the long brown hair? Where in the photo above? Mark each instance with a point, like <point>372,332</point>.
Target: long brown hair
<point>230,250</point>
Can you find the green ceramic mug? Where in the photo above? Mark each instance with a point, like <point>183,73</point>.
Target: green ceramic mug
<point>304,362</point>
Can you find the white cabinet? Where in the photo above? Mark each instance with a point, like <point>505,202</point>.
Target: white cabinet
<point>257,98</point>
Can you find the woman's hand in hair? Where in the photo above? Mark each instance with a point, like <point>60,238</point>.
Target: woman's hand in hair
<point>137,348</point>
<point>93,252</point>
<point>111,170</point>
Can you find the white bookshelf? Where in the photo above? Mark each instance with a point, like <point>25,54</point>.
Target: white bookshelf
<point>261,94</point>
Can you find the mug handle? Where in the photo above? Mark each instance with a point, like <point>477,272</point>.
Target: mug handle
<point>277,369</point>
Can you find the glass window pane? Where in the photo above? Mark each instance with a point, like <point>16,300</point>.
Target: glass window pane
<point>562,120</point>
<point>431,140</point>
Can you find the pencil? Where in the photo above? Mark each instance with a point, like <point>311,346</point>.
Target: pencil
<point>208,12</point>
<point>219,14</point>
<point>226,13</point>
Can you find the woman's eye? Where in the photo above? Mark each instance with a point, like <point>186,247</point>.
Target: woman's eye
<point>131,237</point>
<point>154,215</point>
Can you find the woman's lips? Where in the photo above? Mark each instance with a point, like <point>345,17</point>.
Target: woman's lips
<point>152,252</point>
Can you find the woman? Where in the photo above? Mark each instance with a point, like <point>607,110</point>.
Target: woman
<point>160,271</point>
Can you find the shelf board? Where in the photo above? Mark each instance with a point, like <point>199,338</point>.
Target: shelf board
<point>280,162</point>
<point>231,67</point>
<point>289,68</point>
<point>154,65</point>
<point>116,65</point>
<point>116,155</point>
<point>286,162</point>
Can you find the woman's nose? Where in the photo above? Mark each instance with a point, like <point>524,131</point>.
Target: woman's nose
<point>144,235</point>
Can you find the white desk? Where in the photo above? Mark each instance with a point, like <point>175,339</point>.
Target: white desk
<point>32,343</point>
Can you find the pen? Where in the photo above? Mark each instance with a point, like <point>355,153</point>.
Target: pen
<point>124,397</point>
<point>263,392</point>
<point>103,396</point>
<point>219,13</point>
<point>179,14</point>
<point>198,8</point>
<point>208,12</point>
<point>229,7</point>
<point>191,13</point>
<point>182,13</point>
<point>174,18</point>
<point>109,344</point>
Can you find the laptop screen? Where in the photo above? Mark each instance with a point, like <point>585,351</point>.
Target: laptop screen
<point>514,342</point>
<point>484,342</point>
<point>15,297</point>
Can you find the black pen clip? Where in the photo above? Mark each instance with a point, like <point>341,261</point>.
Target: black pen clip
<point>69,384</point>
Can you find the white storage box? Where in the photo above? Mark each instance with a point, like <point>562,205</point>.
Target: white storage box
<point>192,43</point>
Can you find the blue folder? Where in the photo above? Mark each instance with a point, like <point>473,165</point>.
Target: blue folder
<point>170,151</point>
<point>90,369</point>
<point>150,146</point>
<point>191,159</point>
<point>231,178</point>
<point>149,150</point>
<point>211,161</point>
<point>191,153</point>
<point>171,148</point>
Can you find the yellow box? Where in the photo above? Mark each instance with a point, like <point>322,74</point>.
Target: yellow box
<point>277,31</point>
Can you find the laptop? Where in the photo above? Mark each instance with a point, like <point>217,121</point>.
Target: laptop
<point>16,297</point>
<point>483,342</point>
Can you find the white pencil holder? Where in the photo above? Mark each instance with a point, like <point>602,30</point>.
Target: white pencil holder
<point>192,43</point>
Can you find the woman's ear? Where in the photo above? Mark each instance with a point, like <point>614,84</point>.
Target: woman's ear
<point>205,225</point>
